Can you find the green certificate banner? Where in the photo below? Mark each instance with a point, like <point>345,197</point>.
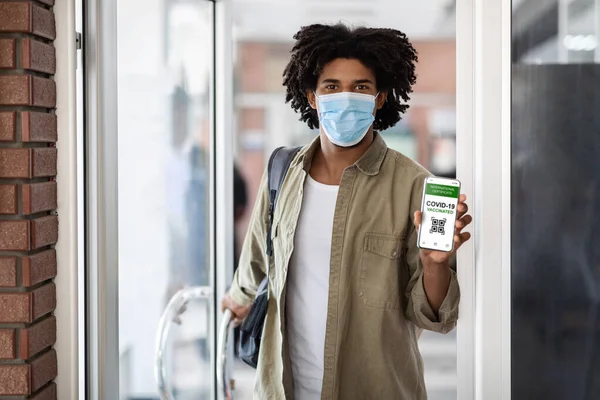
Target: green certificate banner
<point>442,190</point>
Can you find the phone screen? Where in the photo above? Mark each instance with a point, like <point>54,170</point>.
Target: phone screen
<point>440,198</point>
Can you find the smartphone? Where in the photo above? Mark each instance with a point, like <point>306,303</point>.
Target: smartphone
<point>439,203</point>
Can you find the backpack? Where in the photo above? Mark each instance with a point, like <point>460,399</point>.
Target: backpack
<point>252,327</point>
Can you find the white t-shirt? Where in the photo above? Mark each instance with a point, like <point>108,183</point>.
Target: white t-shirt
<point>308,288</point>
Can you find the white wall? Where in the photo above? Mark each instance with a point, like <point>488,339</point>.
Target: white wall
<point>67,301</point>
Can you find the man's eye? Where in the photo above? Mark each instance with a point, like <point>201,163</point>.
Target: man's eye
<point>331,87</point>
<point>362,87</point>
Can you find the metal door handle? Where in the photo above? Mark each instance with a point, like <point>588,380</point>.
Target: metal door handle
<point>222,379</point>
<point>176,303</point>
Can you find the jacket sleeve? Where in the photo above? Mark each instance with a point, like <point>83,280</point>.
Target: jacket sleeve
<point>417,308</point>
<point>254,261</point>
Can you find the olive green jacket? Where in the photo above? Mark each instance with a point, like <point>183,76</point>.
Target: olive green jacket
<point>376,295</point>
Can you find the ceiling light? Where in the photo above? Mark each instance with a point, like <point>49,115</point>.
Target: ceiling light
<point>580,42</point>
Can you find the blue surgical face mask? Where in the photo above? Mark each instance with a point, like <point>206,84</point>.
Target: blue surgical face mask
<point>346,117</point>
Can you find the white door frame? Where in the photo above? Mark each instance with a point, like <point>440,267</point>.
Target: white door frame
<point>69,344</point>
<point>223,155</point>
<point>484,166</point>
<point>101,181</point>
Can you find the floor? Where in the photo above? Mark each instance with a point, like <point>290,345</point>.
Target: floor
<point>244,381</point>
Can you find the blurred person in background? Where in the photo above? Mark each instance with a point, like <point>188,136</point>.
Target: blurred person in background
<point>348,285</point>
<point>240,204</point>
<point>188,220</point>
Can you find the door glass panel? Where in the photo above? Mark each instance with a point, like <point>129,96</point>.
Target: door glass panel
<point>555,200</point>
<point>165,51</point>
<point>263,35</point>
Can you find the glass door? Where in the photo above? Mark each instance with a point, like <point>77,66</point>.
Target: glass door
<point>165,126</point>
<point>555,147</point>
<point>152,320</point>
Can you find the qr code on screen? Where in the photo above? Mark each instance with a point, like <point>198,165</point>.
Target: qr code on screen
<point>437,225</point>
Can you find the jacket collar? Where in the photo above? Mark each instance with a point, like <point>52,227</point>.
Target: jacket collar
<point>369,163</point>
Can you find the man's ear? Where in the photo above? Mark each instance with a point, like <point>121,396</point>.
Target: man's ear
<point>310,95</point>
<point>381,99</point>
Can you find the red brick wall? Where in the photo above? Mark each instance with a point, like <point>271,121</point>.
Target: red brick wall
<point>28,221</point>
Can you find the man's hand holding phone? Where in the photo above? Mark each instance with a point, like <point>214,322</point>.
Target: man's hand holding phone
<point>463,220</point>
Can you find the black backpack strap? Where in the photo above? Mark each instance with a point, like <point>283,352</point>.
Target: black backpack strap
<point>279,163</point>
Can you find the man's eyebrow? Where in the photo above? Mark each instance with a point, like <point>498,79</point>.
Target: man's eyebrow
<point>356,82</point>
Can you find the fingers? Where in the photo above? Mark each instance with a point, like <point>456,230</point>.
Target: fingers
<point>226,303</point>
<point>460,239</point>
<point>462,206</point>
<point>463,222</point>
<point>236,322</point>
<point>417,217</point>
<point>238,312</point>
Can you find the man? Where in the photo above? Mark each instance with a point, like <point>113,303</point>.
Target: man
<point>348,286</point>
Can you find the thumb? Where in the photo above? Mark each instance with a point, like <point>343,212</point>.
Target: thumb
<point>417,218</point>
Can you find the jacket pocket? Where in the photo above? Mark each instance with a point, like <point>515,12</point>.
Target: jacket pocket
<point>380,271</point>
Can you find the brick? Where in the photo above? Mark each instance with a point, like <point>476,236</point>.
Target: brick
<point>38,127</point>
<point>43,301</point>
<point>38,56</point>
<point>37,337</point>
<point>27,17</point>
<point>44,231</point>
<point>15,308</point>
<point>44,162</point>
<point>15,17</point>
<point>14,235</point>
<point>37,197</point>
<point>27,90</point>
<point>47,393</point>
<point>26,307</point>
<point>24,235</point>
<point>8,126</point>
<point>7,344</point>
<point>38,267</point>
<point>15,90</point>
<point>27,163</point>
<point>43,370</point>
<point>43,23</point>
<point>26,379</point>
<point>15,163</point>
<point>14,380</point>
<point>8,271</point>
<point>47,2</point>
<point>8,199</point>
<point>43,92</point>
<point>8,59</point>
